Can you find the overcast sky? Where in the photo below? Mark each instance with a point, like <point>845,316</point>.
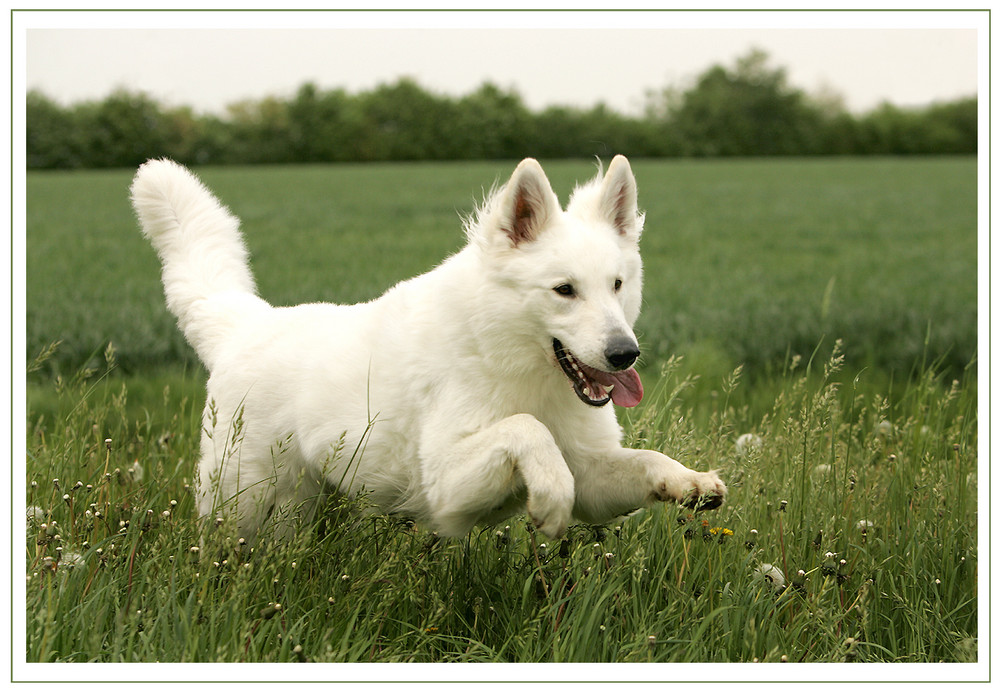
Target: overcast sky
<point>208,60</point>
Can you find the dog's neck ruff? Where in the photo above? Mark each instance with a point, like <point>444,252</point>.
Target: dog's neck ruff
<point>597,387</point>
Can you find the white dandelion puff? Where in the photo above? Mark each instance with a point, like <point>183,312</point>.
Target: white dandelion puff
<point>771,574</point>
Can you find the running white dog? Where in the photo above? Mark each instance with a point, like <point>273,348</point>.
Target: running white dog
<point>458,397</point>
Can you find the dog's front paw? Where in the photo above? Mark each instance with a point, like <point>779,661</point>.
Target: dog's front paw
<point>551,512</point>
<point>693,489</point>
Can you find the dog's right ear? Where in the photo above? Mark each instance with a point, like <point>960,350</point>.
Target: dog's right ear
<point>528,203</point>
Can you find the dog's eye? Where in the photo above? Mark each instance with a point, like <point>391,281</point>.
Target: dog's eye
<point>565,290</point>
<point>618,285</point>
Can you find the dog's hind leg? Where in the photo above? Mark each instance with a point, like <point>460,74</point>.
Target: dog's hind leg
<point>485,470</point>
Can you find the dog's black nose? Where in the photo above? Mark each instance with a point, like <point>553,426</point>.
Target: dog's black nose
<point>621,352</point>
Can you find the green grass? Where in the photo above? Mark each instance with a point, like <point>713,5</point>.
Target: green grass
<point>874,503</point>
<point>844,289</point>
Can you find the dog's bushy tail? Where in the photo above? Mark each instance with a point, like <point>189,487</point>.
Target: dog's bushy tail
<point>201,248</point>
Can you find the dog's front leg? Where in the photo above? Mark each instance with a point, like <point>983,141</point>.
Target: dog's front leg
<point>474,476</point>
<point>626,479</point>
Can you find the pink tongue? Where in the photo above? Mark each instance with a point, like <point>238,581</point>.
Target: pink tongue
<point>628,386</point>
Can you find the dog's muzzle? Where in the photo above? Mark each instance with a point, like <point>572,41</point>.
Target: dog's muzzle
<point>597,387</point>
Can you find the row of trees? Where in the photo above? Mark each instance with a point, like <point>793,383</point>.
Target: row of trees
<point>746,110</point>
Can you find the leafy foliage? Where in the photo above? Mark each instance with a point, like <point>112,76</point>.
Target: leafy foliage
<point>748,110</point>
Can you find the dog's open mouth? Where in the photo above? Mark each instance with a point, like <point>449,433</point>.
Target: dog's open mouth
<point>596,387</point>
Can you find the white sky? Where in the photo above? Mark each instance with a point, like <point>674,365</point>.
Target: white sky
<point>208,60</point>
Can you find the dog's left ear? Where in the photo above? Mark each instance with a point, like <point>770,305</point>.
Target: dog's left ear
<point>619,199</point>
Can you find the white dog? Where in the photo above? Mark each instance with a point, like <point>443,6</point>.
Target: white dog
<point>460,396</point>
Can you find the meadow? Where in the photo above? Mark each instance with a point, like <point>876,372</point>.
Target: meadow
<point>809,329</point>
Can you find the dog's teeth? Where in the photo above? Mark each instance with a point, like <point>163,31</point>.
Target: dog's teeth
<point>586,391</point>
<point>610,388</point>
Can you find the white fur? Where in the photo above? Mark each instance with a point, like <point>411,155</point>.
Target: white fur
<point>443,399</point>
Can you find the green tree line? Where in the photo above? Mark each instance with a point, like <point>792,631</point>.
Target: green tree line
<point>748,109</point>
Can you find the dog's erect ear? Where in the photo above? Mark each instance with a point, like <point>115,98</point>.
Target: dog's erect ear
<point>528,203</point>
<point>619,200</point>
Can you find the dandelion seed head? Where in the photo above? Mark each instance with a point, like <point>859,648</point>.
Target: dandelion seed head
<point>820,470</point>
<point>136,471</point>
<point>34,514</point>
<point>747,442</point>
<point>771,574</point>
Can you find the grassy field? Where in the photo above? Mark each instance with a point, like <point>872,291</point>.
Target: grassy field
<point>851,530</point>
<point>748,260</point>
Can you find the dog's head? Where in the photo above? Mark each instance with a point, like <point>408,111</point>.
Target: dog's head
<point>575,275</point>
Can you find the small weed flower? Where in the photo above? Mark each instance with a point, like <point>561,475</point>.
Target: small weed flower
<point>752,540</point>
<point>799,581</point>
<point>864,526</point>
<point>721,532</point>
<point>851,645</point>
